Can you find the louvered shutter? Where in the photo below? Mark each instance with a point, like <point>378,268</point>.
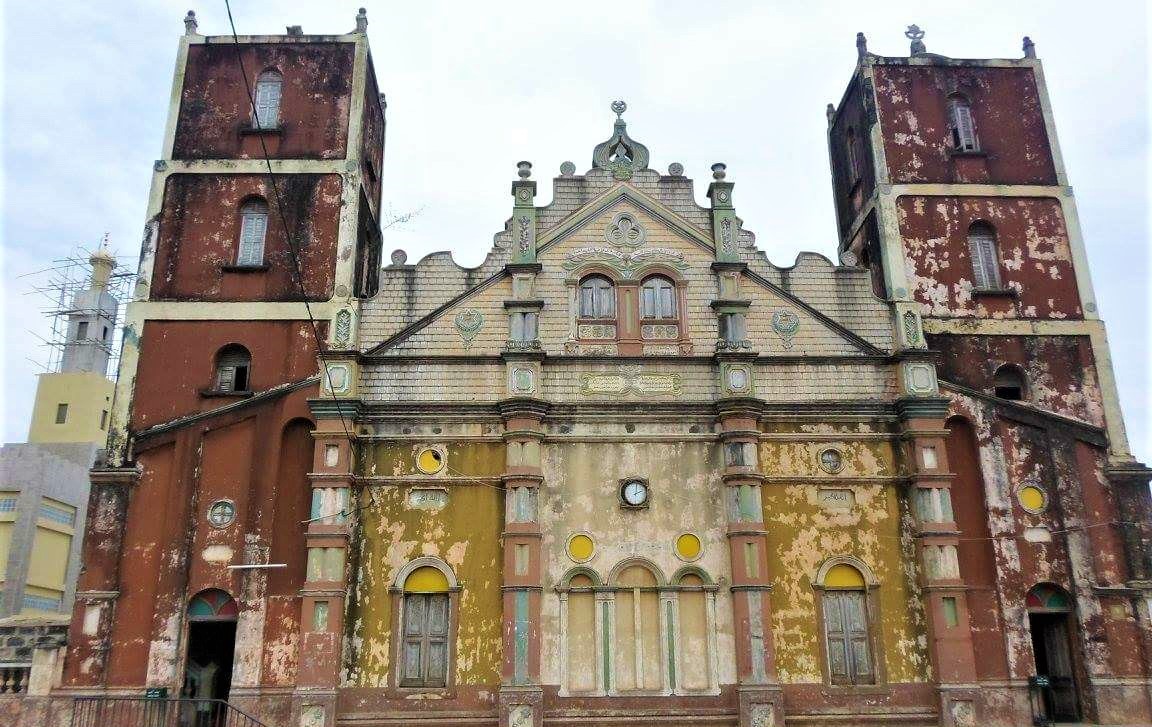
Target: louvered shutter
<point>985,266</point>
<point>856,633</point>
<point>436,668</point>
<point>267,102</point>
<point>835,638</point>
<point>965,130</point>
<point>253,228</point>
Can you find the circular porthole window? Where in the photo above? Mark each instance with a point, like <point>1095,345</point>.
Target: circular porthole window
<point>222,513</point>
<point>581,547</point>
<point>688,547</point>
<point>430,461</point>
<point>1032,499</point>
<point>831,461</point>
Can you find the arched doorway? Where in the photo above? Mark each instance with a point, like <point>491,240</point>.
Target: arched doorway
<point>211,645</point>
<point>1049,616</point>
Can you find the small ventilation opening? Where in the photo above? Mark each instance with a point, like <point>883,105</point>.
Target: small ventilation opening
<point>1009,383</point>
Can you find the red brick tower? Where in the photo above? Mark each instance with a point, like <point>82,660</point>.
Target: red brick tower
<point>1031,513</point>
<point>215,520</point>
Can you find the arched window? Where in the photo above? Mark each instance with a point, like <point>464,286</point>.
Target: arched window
<point>1009,382</point>
<point>985,261</point>
<point>253,229</point>
<point>658,298</point>
<point>233,365</point>
<point>266,114</point>
<point>427,589</point>
<point>961,124</point>
<point>597,297</point>
<point>844,603</point>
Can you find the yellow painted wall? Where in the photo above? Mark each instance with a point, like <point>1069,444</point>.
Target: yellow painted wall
<point>5,544</point>
<point>87,396</point>
<point>465,534</point>
<point>802,534</point>
<point>48,563</point>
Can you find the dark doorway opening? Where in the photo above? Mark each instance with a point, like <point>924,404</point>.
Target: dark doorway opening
<point>1052,647</point>
<point>208,673</point>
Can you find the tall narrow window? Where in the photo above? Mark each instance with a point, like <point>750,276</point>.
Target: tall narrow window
<point>523,327</point>
<point>426,629</point>
<point>846,627</point>
<point>963,128</point>
<point>597,298</point>
<point>232,369</point>
<point>658,298</point>
<point>853,159</point>
<point>267,107</point>
<point>61,413</point>
<point>253,229</point>
<point>985,262</point>
<point>82,331</point>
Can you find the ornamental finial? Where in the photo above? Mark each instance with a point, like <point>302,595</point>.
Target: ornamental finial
<point>619,107</point>
<point>861,45</point>
<point>190,23</point>
<point>916,35</point>
<point>362,21</point>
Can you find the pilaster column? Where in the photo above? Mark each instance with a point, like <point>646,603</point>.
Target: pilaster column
<point>327,535</point>
<point>760,697</point>
<point>521,696</point>
<point>936,535</point>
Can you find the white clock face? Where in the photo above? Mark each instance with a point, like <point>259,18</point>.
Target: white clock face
<point>635,493</point>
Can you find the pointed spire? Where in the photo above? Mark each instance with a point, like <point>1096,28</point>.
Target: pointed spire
<point>861,45</point>
<point>915,35</point>
<point>190,23</point>
<point>1029,48</point>
<point>362,21</point>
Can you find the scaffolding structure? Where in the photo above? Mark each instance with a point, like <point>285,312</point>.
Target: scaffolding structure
<point>60,292</point>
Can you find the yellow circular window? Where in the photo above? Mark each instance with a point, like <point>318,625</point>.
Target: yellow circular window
<point>1032,498</point>
<point>430,461</point>
<point>688,547</point>
<point>580,547</point>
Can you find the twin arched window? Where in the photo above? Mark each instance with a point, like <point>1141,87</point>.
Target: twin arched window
<point>961,125</point>
<point>657,298</point>
<point>253,230</point>
<point>266,101</point>
<point>985,261</point>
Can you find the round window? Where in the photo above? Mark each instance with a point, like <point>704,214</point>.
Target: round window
<point>430,461</point>
<point>831,460</point>
<point>222,513</point>
<point>1032,499</point>
<point>581,547</point>
<point>688,547</point>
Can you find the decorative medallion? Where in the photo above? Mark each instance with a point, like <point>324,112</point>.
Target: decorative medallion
<point>625,231</point>
<point>660,331</point>
<point>524,194</point>
<point>222,513</point>
<point>920,378</point>
<point>676,169</point>
<point>785,322</point>
<point>523,380</point>
<point>738,379</point>
<point>338,378</point>
<point>580,547</point>
<point>567,169</point>
<point>343,328</point>
<point>830,460</point>
<point>399,257</point>
<point>912,330</point>
<point>468,323</point>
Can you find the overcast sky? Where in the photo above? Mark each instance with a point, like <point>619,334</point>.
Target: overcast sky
<point>475,87</point>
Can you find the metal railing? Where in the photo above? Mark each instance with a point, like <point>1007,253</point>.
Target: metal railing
<point>145,712</point>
